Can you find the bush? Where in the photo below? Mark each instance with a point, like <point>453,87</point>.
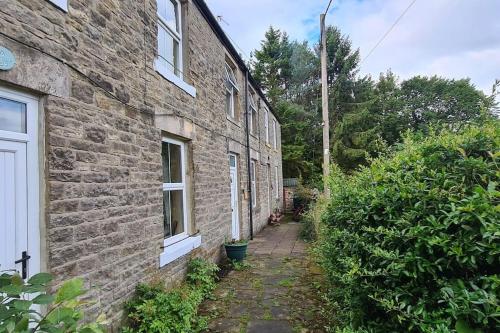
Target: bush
<point>311,220</point>
<point>156,310</point>
<point>411,243</point>
<point>20,302</point>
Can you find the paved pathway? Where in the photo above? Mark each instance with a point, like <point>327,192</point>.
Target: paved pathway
<point>275,293</point>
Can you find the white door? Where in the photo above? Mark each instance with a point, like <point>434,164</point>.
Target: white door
<point>269,189</point>
<point>235,217</point>
<point>19,229</point>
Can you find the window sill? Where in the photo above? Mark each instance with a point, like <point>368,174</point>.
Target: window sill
<point>175,80</point>
<point>179,249</point>
<point>232,120</point>
<point>61,4</point>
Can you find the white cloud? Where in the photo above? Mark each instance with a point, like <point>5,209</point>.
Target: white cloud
<point>451,38</point>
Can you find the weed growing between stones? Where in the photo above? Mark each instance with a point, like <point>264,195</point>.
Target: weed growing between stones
<point>156,310</point>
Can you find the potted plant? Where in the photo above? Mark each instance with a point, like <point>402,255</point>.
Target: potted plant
<point>236,250</point>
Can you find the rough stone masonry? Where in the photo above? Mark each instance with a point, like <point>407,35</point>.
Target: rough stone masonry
<point>103,112</point>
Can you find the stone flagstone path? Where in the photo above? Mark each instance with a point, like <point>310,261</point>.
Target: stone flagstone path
<point>276,293</point>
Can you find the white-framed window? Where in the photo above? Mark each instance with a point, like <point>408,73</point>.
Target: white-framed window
<point>63,4</point>
<point>277,182</point>
<point>231,91</point>
<point>266,124</point>
<point>275,135</point>
<point>253,181</point>
<point>253,114</point>
<point>175,226</point>
<point>170,36</point>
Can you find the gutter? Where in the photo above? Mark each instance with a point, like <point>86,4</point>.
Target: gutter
<point>250,203</point>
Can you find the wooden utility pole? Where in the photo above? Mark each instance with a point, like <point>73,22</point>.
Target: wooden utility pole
<point>324,103</point>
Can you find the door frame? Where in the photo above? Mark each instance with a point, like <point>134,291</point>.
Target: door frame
<point>236,199</point>
<point>32,171</point>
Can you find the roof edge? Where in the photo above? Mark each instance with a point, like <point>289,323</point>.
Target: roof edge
<point>212,21</point>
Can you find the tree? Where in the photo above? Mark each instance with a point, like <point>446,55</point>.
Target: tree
<point>342,63</point>
<point>271,67</point>
<point>436,100</point>
<point>357,137</point>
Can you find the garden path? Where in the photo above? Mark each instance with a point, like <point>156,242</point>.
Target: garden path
<point>276,291</point>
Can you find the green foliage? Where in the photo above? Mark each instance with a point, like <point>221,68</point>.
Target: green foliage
<point>20,302</point>
<point>271,66</point>
<point>311,221</point>
<point>240,265</point>
<point>365,116</point>
<point>156,310</point>
<point>202,276</point>
<point>412,242</point>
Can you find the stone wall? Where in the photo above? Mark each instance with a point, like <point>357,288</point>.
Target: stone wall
<point>105,111</point>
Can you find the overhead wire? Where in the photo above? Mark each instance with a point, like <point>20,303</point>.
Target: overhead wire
<point>388,31</point>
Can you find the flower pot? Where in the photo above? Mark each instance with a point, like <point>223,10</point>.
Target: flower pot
<point>236,252</point>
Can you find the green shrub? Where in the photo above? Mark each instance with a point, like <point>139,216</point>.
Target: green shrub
<point>20,301</point>
<point>157,310</point>
<point>311,220</point>
<point>411,243</point>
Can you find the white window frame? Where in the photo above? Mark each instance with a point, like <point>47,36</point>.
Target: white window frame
<point>253,182</point>
<point>253,110</point>
<point>275,135</point>
<point>266,124</point>
<point>63,4</point>
<point>277,182</point>
<point>178,187</point>
<point>176,35</point>
<point>160,67</point>
<point>230,78</point>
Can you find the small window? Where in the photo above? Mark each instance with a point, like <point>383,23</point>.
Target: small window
<point>63,4</point>
<point>174,191</point>
<point>232,161</point>
<point>169,36</point>
<point>277,182</point>
<point>12,116</point>
<point>253,176</point>
<point>253,115</point>
<point>266,124</point>
<point>231,91</point>
<point>275,135</point>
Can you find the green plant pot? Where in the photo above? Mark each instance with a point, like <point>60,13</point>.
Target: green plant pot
<point>236,252</point>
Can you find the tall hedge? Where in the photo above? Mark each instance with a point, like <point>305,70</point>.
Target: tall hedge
<point>412,242</point>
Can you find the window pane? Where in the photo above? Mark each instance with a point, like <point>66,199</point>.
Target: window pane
<point>168,11</point>
<point>172,163</point>
<point>168,50</point>
<point>232,161</point>
<point>173,213</point>
<point>12,116</point>
<point>229,103</point>
<point>254,121</point>
<point>175,56</point>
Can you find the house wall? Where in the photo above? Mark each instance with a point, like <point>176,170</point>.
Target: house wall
<point>105,110</point>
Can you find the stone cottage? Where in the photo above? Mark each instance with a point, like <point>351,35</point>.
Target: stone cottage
<point>132,137</point>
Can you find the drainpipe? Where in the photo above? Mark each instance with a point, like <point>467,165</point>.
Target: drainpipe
<point>250,204</point>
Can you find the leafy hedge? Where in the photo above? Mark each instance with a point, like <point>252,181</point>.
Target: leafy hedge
<point>412,243</point>
<point>157,310</point>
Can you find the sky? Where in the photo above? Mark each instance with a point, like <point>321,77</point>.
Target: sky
<point>450,38</point>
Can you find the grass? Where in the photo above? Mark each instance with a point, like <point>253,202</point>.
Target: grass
<point>257,284</point>
<point>288,282</point>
